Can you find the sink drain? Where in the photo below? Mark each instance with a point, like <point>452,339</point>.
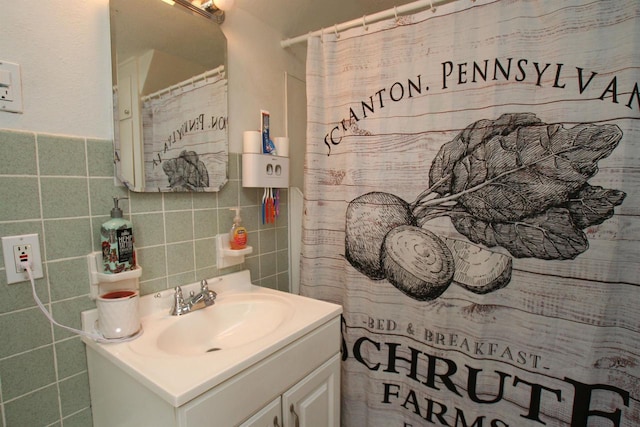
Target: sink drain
<point>213,349</point>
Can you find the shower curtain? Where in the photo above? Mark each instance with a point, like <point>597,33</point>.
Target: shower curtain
<point>185,137</point>
<point>472,193</point>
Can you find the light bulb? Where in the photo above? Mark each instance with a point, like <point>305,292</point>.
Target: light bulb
<point>223,4</point>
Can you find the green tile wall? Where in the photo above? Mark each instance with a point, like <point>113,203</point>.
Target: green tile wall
<point>61,188</point>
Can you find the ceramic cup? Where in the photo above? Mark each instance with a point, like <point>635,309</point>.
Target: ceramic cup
<point>118,315</point>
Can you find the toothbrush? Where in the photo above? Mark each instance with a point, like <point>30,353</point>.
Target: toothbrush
<point>271,206</point>
<point>267,207</point>
<point>263,209</point>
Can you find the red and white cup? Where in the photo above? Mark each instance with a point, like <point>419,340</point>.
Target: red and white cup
<point>118,315</point>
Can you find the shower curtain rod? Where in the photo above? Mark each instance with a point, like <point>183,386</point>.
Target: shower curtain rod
<point>192,80</point>
<point>368,19</point>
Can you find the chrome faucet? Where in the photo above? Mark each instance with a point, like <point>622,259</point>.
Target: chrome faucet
<point>204,298</point>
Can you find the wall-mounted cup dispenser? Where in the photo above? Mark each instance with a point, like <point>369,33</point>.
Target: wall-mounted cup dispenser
<point>265,170</point>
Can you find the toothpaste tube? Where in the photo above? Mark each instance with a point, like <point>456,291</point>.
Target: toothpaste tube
<point>267,145</point>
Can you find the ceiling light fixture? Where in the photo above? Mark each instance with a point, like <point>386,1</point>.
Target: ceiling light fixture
<point>211,9</point>
<point>217,8</point>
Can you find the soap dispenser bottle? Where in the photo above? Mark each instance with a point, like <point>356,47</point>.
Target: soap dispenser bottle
<point>116,236</point>
<point>238,234</point>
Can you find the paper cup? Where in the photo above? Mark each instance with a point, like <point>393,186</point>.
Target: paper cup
<point>251,142</point>
<point>282,146</point>
<point>118,315</point>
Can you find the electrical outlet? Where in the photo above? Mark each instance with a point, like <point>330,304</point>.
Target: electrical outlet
<point>22,253</point>
<point>5,86</point>
<point>10,87</point>
<point>5,93</point>
<point>21,248</point>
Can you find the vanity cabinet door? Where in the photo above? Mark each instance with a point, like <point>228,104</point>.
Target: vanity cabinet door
<point>315,401</point>
<point>269,416</point>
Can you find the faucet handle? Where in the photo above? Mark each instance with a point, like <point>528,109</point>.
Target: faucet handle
<point>204,288</point>
<point>178,301</point>
<point>179,298</point>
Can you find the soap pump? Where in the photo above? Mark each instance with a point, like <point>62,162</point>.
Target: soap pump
<point>116,237</point>
<point>238,234</point>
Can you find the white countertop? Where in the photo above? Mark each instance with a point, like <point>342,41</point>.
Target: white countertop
<point>180,378</point>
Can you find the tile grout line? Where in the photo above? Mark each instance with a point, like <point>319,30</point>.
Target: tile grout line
<point>164,242</point>
<point>77,374</point>
<point>46,269</point>
<point>193,238</point>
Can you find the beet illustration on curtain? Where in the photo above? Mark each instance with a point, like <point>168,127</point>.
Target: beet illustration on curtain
<point>513,182</point>
<point>472,200</point>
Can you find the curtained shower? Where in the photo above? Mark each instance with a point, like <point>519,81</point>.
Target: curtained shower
<point>472,200</point>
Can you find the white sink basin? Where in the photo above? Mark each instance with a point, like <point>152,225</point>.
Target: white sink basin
<point>181,357</point>
<point>234,320</point>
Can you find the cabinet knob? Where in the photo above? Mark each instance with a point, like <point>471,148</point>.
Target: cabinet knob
<point>296,418</point>
<point>275,421</point>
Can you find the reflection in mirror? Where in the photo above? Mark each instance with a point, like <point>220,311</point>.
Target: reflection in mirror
<point>170,97</point>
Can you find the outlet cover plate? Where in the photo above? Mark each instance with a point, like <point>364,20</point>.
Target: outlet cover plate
<point>8,251</point>
<point>10,88</point>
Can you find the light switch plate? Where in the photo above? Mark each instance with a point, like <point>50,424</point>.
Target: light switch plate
<point>10,87</point>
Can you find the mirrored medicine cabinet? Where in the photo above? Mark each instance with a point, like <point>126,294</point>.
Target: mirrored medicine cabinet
<point>169,68</point>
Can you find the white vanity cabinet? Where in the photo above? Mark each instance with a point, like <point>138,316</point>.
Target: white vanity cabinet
<point>313,402</point>
<point>269,416</point>
<point>304,374</point>
<point>257,356</point>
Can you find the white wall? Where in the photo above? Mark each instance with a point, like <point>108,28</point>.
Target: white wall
<point>63,48</point>
<point>257,67</point>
